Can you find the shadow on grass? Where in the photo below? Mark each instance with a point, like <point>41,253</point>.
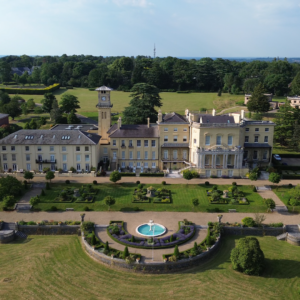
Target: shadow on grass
<point>131,209</point>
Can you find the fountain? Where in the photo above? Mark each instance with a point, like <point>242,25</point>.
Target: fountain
<point>151,229</point>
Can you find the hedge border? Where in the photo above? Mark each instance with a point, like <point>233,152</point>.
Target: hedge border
<point>48,89</point>
<point>141,247</point>
<point>152,174</point>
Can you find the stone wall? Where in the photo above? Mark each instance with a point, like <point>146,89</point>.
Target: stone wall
<point>6,238</point>
<point>269,231</point>
<point>50,229</point>
<point>153,268</point>
<point>294,240</point>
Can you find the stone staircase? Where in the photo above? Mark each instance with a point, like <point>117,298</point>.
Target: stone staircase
<point>281,208</point>
<point>292,229</point>
<point>282,237</point>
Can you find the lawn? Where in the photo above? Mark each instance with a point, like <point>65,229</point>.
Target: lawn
<point>56,267</point>
<point>171,101</point>
<point>278,149</point>
<point>22,120</point>
<point>182,195</point>
<point>283,193</point>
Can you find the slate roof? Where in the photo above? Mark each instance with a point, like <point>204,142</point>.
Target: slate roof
<point>256,145</point>
<point>174,118</point>
<point>48,137</point>
<point>82,127</point>
<point>175,145</point>
<point>113,128</point>
<point>3,116</point>
<point>134,131</point>
<point>216,119</point>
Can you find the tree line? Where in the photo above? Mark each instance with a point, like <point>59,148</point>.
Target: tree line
<point>279,77</point>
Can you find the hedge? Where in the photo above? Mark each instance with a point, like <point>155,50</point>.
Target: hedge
<point>286,168</point>
<point>9,83</point>
<point>48,89</point>
<point>128,174</point>
<point>152,175</point>
<point>289,155</point>
<point>290,176</point>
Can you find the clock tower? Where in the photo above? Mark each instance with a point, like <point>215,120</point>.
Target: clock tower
<point>104,113</point>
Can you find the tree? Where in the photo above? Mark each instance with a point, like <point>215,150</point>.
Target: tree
<point>4,98</point>
<point>28,175</point>
<point>247,257</point>
<point>55,113</point>
<point>187,174</point>
<point>23,78</point>
<point>274,178</point>
<point>295,86</point>
<point>125,253</point>
<point>176,251</point>
<point>294,202</point>
<point>259,219</point>
<point>145,98</point>
<point>10,186</point>
<point>253,176</point>
<point>24,109</point>
<point>109,201</point>
<point>295,140</point>
<point>48,102</point>
<point>34,201</point>
<point>69,103</point>
<point>115,176</point>
<point>5,71</point>
<point>195,202</point>
<point>12,108</point>
<point>270,204</point>
<point>32,124</point>
<point>50,175</point>
<point>30,103</point>
<point>258,101</point>
<point>73,119</point>
<point>9,201</point>
<point>295,192</point>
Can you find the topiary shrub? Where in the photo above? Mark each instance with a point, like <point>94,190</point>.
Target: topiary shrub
<point>86,208</point>
<point>67,181</point>
<point>290,185</point>
<point>248,222</point>
<point>171,238</point>
<point>125,253</point>
<point>53,208</point>
<point>176,251</point>
<point>163,183</point>
<point>214,188</point>
<point>206,182</point>
<point>247,257</point>
<point>140,186</point>
<point>95,182</point>
<point>234,183</point>
<point>93,239</point>
<point>254,189</point>
<point>47,186</point>
<point>106,247</point>
<point>43,193</point>
<point>138,182</point>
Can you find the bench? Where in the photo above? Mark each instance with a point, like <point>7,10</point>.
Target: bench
<point>231,210</point>
<point>69,209</point>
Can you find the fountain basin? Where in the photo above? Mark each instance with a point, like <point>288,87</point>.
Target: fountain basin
<point>144,230</point>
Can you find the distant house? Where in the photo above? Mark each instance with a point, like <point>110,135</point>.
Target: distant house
<point>294,101</point>
<point>4,119</point>
<point>21,70</point>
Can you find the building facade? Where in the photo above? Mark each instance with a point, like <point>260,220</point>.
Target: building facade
<point>214,145</point>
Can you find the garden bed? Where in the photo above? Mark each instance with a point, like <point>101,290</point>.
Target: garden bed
<point>117,232</point>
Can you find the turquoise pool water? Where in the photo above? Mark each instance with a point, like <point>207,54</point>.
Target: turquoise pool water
<point>145,230</point>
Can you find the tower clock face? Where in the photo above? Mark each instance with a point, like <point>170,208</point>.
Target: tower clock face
<point>103,98</point>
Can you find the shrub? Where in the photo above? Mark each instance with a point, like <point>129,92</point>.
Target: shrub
<point>125,253</point>
<point>136,209</point>
<point>95,182</point>
<point>38,110</point>
<point>67,181</point>
<point>254,189</point>
<point>53,208</point>
<point>206,182</point>
<point>214,188</point>
<point>176,251</point>
<point>270,204</point>
<point>247,257</point>
<point>171,238</point>
<point>187,174</point>
<point>43,193</point>
<point>115,176</point>
<point>208,241</point>
<point>106,247</point>
<point>249,222</point>
<point>138,182</point>
<point>163,183</point>
<point>25,182</point>
<point>234,183</point>
<point>86,208</point>
<point>47,186</point>
<point>140,186</point>
<point>73,170</point>
<point>93,239</point>
<point>87,225</point>
<point>290,185</point>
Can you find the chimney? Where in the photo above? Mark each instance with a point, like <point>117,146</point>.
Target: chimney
<point>119,122</point>
<point>148,122</point>
<point>159,117</point>
<point>242,114</point>
<point>213,112</point>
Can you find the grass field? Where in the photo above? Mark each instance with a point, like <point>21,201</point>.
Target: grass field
<point>171,101</point>
<point>56,267</point>
<point>182,195</point>
<point>283,193</point>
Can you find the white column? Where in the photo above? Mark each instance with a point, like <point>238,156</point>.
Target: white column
<point>201,161</point>
<point>235,161</point>
<point>225,161</point>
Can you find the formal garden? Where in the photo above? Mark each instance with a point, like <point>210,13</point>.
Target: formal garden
<point>162,197</point>
<point>290,195</point>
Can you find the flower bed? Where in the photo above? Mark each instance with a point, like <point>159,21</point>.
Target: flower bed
<point>51,222</point>
<point>143,195</point>
<point>230,196</point>
<point>213,235</point>
<point>98,245</point>
<point>117,232</point>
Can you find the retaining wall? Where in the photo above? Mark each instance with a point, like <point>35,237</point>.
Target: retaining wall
<point>153,268</point>
<point>6,238</point>
<point>294,240</point>
<point>269,231</point>
<point>50,229</point>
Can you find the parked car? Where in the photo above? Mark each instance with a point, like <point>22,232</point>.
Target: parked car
<point>277,157</point>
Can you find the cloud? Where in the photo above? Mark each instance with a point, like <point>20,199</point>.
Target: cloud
<point>136,3</point>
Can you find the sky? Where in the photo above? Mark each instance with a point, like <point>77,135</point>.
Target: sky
<point>182,28</point>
